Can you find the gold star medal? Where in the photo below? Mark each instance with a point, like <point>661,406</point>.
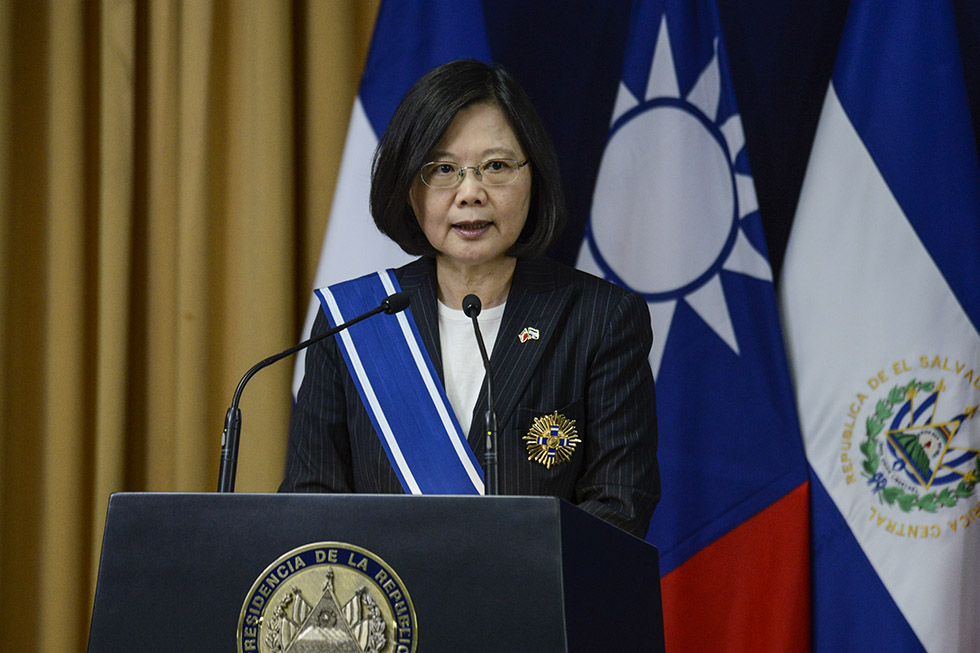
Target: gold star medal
<point>551,439</point>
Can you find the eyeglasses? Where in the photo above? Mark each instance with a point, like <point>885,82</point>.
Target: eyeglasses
<point>448,174</point>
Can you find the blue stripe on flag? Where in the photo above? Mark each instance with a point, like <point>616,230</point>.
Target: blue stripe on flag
<point>900,80</point>
<point>411,38</point>
<point>841,569</point>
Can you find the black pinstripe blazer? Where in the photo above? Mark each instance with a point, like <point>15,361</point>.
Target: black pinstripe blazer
<point>590,364</point>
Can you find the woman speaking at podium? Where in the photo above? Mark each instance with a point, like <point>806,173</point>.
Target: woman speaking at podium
<point>465,177</point>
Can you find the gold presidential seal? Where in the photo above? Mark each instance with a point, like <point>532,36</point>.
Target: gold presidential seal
<point>328,597</point>
<point>551,439</point>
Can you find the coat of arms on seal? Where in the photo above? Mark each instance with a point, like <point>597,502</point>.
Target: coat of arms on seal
<point>328,597</point>
<point>910,454</point>
<point>551,439</point>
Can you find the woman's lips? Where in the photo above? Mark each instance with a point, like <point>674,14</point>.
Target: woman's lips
<point>471,229</point>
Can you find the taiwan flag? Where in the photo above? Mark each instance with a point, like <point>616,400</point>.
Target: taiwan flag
<point>674,217</point>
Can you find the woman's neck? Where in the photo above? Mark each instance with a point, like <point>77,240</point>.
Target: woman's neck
<point>490,282</point>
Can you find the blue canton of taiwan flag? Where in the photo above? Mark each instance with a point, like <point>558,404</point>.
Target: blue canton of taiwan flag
<point>410,38</point>
<point>880,298</point>
<point>674,217</point>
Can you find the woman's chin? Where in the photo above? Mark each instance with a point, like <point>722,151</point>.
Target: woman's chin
<point>473,256</point>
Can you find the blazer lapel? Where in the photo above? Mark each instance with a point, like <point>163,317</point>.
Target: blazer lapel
<point>537,300</point>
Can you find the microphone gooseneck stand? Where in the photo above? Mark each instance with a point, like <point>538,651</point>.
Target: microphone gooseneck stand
<point>472,307</point>
<point>233,418</point>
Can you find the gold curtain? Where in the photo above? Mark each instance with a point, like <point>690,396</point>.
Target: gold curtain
<point>166,171</point>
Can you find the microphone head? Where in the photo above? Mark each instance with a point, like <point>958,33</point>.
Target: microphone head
<point>396,302</point>
<point>472,305</point>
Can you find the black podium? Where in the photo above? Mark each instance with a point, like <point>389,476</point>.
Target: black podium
<point>483,573</point>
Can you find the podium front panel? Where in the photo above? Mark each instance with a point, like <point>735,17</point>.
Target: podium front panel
<point>483,573</point>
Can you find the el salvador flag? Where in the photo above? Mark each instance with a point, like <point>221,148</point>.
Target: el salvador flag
<point>674,217</point>
<point>880,298</point>
<point>410,38</point>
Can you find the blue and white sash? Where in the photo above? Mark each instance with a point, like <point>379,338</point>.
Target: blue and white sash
<point>401,390</point>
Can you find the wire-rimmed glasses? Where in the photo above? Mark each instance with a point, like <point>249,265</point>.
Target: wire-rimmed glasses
<point>449,174</point>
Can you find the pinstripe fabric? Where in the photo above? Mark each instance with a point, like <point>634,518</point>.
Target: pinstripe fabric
<point>590,364</point>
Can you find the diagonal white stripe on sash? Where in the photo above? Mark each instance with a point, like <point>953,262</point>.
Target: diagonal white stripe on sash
<point>461,448</point>
<point>371,397</point>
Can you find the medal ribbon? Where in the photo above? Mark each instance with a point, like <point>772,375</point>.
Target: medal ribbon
<point>401,391</point>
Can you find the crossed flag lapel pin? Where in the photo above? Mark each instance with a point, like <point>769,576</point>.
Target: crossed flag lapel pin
<point>529,333</point>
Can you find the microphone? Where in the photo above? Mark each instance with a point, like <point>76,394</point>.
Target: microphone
<point>472,307</point>
<point>391,304</point>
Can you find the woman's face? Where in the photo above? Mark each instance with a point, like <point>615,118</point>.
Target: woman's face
<point>474,223</point>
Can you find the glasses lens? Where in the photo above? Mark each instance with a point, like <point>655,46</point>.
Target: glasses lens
<point>440,174</point>
<point>446,174</point>
<point>499,171</point>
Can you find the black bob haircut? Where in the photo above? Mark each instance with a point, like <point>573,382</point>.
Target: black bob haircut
<point>424,115</point>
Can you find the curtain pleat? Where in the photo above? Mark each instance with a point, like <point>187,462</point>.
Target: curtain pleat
<point>64,477</point>
<point>166,172</point>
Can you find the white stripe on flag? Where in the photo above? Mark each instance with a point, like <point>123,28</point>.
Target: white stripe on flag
<point>352,245</point>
